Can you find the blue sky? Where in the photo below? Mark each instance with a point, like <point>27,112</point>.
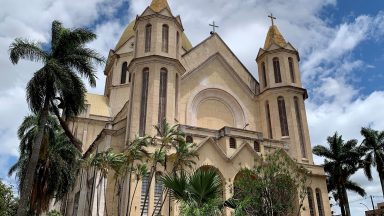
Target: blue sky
<point>340,43</point>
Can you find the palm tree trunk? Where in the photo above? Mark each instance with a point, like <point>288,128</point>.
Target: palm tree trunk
<point>76,142</point>
<point>341,201</point>
<point>347,210</point>
<point>162,203</point>
<point>129,187</point>
<point>133,196</point>
<point>25,191</point>
<point>105,196</point>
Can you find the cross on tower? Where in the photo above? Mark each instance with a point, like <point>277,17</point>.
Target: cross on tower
<point>214,26</point>
<point>272,18</point>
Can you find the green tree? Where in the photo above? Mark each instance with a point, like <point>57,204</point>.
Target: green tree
<point>342,160</point>
<point>57,166</point>
<point>273,188</point>
<point>373,145</point>
<point>199,193</point>
<point>8,203</point>
<point>65,61</point>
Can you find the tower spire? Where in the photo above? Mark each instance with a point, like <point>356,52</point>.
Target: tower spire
<point>158,5</point>
<point>274,36</point>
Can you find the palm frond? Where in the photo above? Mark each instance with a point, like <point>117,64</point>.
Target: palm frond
<point>24,49</point>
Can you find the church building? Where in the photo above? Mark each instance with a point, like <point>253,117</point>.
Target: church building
<point>155,73</point>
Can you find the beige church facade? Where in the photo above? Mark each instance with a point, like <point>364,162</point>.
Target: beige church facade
<point>154,72</point>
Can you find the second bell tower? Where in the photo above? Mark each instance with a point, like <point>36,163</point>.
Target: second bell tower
<point>156,70</point>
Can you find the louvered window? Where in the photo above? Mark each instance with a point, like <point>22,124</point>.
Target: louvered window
<point>282,116</point>
<point>144,100</point>
<point>291,69</point>
<point>144,188</point>
<point>232,143</point>
<point>165,40</point>
<point>319,202</point>
<point>162,97</point>
<point>269,123</point>
<point>148,37</point>
<point>276,70</point>
<point>311,202</point>
<point>300,127</point>
<point>158,194</point>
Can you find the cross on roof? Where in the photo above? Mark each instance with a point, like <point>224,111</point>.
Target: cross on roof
<point>214,26</point>
<point>272,18</point>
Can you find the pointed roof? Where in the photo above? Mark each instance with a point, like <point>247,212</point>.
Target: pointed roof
<point>159,5</point>
<point>274,37</point>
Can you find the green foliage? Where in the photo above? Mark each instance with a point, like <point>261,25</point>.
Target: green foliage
<point>57,165</point>
<point>272,189</point>
<point>373,146</point>
<point>343,159</point>
<point>198,193</point>
<point>8,203</point>
<point>54,213</point>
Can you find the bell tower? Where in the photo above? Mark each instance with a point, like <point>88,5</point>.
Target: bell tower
<point>282,95</point>
<point>156,69</point>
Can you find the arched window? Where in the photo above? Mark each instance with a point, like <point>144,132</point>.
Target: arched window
<point>177,96</point>
<point>300,127</point>
<point>282,116</point>
<point>311,204</point>
<point>276,70</point>
<point>158,194</point>
<point>148,35</point>
<point>319,202</point>
<point>124,70</point>
<point>232,143</point>
<point>189,139</point>
<point>264,74</point>
<point>256,146</point>
<point>165,39</point>
<point>144,99</point>
<point>291,69</point>
<point>144,188</point>
<point>268,116</point>
<point>162,97</point>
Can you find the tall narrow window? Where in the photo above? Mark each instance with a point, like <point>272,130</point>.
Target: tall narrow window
<point>268,116</point>
<point>148,35</point>
<point>319,202</point>
<point>124,70</point>
<point>158,194</point>
<point>276,70</point>
<point>144,188</point>
<point>144,99</point>
<point>264,74</point>
<point>177,44</point>
<point>162,97</point>
<point>165,40</point>
<point>177,96</point>
<point>131,105</point>
<point>256,146</point>
<point>282,116</point>
<point>300,127</point>
<point>310,202</point>
<point>232,143</point>
<point>291,69</point>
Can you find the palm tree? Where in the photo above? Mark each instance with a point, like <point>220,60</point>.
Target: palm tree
<point>166,136</point>
<point>195,191</point>
<point>64,62</point>
<point>57,166</point>
<point>343,159</point>
<point>373,145</point>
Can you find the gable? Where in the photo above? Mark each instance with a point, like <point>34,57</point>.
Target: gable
<point>212,45</point>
